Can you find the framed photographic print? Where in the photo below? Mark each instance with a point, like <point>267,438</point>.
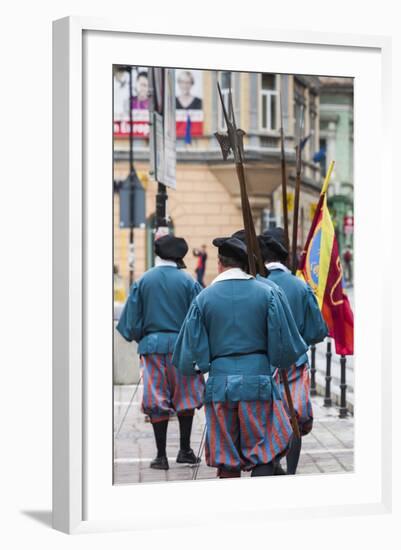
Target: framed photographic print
<point>211,296</point>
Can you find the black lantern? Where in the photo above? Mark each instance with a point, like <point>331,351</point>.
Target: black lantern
<point>132,202</point>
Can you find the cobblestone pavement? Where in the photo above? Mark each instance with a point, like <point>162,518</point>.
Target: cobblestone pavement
<point>327,449</point>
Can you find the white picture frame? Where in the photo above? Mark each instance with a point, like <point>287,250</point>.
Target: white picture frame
<point>83,499</point>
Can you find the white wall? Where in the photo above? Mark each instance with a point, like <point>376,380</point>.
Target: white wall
<point>25,104</point>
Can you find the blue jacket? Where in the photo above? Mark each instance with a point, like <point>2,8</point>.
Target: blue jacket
<point>278,293</point>
<point>238,331</point>
<point>304,307</point>
<point>156,308</point>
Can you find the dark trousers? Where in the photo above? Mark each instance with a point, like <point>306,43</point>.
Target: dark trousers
<point>200,273</point>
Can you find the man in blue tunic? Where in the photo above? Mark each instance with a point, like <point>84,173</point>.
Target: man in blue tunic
<point>279,294</point>
<point>311,326</point>
<point>152,316</point>
<point>237,331</point>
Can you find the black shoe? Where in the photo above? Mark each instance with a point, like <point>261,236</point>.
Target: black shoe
<point>279,470</point>
<point>160,463</point>
<point>187,457</point>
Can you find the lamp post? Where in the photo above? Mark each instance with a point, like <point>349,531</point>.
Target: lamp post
<point>156,104</point>
<point>131,246</point>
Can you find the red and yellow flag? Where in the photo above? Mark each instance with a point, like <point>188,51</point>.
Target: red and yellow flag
<point>320,266</point>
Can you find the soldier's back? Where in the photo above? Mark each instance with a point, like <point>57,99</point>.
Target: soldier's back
<point>295,290</point>
<point>235,314</point>
<point>166,294</point>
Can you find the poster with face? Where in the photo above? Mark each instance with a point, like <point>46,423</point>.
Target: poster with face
<point>140,89</point>
<point>139,102</point>
<point>189,103</point>
<point>121,94</point>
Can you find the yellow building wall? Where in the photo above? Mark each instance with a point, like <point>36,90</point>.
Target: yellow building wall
<point>201,209</point>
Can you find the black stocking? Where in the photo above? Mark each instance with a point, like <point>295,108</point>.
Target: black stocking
<point>185,422</point>
<point>160,431</point>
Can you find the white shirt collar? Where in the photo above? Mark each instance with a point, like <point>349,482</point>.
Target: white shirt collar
<point>277,265</point>
<point>233,273</point>
<point>159,262</point>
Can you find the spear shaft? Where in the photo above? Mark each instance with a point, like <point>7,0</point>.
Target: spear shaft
<point>249,226</point>
<point>233,142</point>
<point>293,414</point>
<point>250,235</point>
<point>297,194</point>
<point>284,377</point>
<point>296,212</point>
<point>284,176</point>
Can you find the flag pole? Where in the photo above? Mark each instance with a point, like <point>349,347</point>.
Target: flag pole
<point>333,264</point>
<point>327,178</point>
<point>284,377</point>
<point>322,193</point>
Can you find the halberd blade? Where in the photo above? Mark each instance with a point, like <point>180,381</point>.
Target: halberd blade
<point>224,142</point>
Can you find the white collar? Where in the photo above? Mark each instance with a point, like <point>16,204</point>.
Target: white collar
<point>159,262</point>
<point>277,265</point>
<point>233,273</point>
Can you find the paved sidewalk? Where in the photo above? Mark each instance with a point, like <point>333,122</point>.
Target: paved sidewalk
<point>327,449</point>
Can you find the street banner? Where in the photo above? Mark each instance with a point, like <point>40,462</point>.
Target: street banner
<point>163,140</point>
<point>320,267</point>
<point>158,147</point>
<point>169,113</point>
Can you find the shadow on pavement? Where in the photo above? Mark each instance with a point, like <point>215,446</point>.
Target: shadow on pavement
<point>41,516</point>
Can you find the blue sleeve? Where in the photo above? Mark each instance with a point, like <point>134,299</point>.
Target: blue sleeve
<point>131,320</point>
<point>315,329</point>
<point>192,345</point>
<point>285,345</point>
<point>195,290</point>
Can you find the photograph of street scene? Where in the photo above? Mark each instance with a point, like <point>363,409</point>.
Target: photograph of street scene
<point>233,274</point>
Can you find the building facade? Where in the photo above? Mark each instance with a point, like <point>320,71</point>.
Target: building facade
<point>336,138</point>
<point>206,200</point>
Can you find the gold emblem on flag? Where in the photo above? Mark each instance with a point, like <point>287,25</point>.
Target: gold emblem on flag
<point>290,202</point>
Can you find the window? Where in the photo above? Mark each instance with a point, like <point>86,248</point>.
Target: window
<point>312,123</point>
<point>268,219</point>
<point>268,102</point>
<point>225,85</point>
<point>299,106</point>
<point>323,161</point>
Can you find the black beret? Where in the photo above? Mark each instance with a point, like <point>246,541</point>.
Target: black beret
<point>218,241</point>
<point>277,233</point>
<point>231,247</point>
<point>171,248</point>
<point>270,243</point>
<point>240,234</point>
